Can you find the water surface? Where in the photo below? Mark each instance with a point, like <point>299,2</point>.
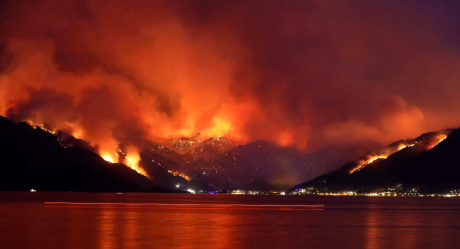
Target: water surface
<point>213,221</point>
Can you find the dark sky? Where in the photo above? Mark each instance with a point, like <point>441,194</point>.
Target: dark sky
<point>302,73</point>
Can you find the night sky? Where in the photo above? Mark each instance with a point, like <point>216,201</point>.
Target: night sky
<point>305,74</point>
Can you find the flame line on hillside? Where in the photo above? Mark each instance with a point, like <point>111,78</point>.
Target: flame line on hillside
<point>383,155</point>
<point>380,155</point>
<point>441,138</point>
<point>176,173</point>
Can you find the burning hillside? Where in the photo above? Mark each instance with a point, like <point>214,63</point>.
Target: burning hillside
<point>422,143</point>
<point>126,157</point>
<point>381,154</point>
<point>436,140</point>
<point>428,162</point>
<point>185,144</point>
<point>218,162</point>
<point>172,70</point>
<point>42,127</point>
<point>130,158</point>
<point>175,173</point>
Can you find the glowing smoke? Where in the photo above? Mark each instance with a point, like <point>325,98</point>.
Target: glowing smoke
<point>304,74</point>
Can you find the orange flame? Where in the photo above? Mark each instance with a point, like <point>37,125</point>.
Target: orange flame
<point>132,160</point>
<point>364,163</point>
<point>437,140</point>
<point>42,127</point>
<point>382,155</point>
<point>108,157</point>
<point>375,158</point>
<point>78,134</point>
<point>175,173</point>
<point>220,128</point>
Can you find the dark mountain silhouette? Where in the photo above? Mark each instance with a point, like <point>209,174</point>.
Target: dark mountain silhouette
<point>431,163</point>
<point>160,175</point>
<point>259,165</point>
<point>34,158</point>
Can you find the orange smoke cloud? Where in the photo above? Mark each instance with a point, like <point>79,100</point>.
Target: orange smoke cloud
<point>296,73</point>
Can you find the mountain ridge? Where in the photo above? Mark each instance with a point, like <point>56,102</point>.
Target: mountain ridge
<point>43,160</point>
<point>415,166</point>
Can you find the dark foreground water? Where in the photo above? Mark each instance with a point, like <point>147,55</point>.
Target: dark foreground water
<point>83,220</point>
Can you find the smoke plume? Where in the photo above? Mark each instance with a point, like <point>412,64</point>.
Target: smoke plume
<point>299,73</point>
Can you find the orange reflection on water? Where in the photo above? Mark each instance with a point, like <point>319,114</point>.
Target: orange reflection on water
<point>373,231</point>
<point>195,230</point>
<point>107,229</point>
<point>131,228</point>
<point>76,234</point>
<point>222,237</point>
<point>185,206</point>
<point>388,229</point>
<point>409,231</point>
<point>191,208</point>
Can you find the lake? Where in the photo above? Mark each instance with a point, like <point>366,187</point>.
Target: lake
<point>109,220</point>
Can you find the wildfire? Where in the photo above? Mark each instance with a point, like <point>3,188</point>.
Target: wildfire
<point>364,163</point>
<point>175,173</point>
<point>437,140</point>
<point>42,127</point>
<point>433,141</point>
<point>402,146</point>
<point>382,155</point>
<point>220,128</point>
<point>107,154</point>
<point>375,158</point>
<point>77,134</point>
<point>132,161</point>
<point>132,158</point>
<point>109,158</point>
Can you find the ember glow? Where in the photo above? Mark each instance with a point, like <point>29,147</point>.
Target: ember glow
<point>383,154</point>
<point>219,129</point>
<point>132,160</point>
<point>437,140</point>
<point>77,134</point>
<point>109,158</point>
<point>364,163</point>
<point>42,127</point>
<point>175,173</point>
<point>424,143</point>
<point>375,158</point>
